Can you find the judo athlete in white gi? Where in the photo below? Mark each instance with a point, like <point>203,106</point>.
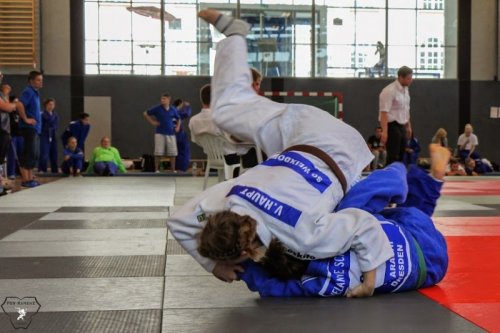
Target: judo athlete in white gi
<point>291,196</point>
<point>420,253</point>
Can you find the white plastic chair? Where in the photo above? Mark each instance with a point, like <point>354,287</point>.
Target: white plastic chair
<point>213,146</point>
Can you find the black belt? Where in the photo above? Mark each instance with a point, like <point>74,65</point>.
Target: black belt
<point>395,123</point>
<point>325,158</point>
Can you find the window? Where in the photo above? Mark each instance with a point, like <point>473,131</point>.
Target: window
<point>433,4</point>
<point>342,38</point>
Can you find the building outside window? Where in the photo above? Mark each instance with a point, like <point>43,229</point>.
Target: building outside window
<point>342,38</point>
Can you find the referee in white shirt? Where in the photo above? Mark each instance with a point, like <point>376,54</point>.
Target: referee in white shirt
<point>394,115</point>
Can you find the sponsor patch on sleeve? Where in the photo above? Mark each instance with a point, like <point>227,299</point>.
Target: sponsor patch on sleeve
<point>202,217</point>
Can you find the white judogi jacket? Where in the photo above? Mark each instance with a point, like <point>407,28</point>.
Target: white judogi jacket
<point>273,126</point>
<point>291,196</point>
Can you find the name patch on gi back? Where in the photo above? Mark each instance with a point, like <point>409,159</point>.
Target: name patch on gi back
<point>398,268</point>
<point>328,277</point>
<point>338,273</point>
<point>303,167</point>
<point>267,204</point>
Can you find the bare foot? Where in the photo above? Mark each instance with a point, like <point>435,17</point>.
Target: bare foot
<point>209,15</point>
<point>440,156</point>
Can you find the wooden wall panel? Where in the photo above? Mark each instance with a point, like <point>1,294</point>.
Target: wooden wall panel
<point>17,33</point>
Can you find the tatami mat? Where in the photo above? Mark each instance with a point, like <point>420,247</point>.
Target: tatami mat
<point>96,254</point>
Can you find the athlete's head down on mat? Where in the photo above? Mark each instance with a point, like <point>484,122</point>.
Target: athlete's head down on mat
<point>230,237</point>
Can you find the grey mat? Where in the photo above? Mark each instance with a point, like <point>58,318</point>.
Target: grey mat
<point>98,224</point>
<point>112,209</point>
<point>151,174</point>
<point>466,213</point>
<point>130,321</point>
<point>497,207</point>
<point>174,248</point>
<point>81,267</point>
<point>407,312</point>
<point>11,222</point>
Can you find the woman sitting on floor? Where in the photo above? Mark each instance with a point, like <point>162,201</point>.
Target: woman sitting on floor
<point>106,160</point>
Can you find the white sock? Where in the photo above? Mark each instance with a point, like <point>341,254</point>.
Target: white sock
<point>231,26</point>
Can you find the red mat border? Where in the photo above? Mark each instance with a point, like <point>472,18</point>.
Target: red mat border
<point>471,287</point>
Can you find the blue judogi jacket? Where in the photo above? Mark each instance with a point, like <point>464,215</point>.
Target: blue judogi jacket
<point>75,154</point>
<point>80,131</point>
<point>165,118</point>
<point>420,254</point>
<point>183,113</point>
<point>50,123</point>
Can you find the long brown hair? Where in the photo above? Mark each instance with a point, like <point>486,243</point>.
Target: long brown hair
<point>281,265</point>
<point>226,235</point>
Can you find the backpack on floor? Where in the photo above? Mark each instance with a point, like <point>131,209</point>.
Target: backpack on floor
<point>148,163</point>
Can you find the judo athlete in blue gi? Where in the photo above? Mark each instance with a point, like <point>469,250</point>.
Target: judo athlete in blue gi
<point>79,129</point>
<point>48,142</point>
<point>183,151</point>
<point>291,196</point>
<point>412,150</point>
<point>420,257</point>
<point>73,158</point>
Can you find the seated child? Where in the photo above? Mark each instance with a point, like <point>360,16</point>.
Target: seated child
<point>412,149</point>
<point>474,167</point>
<point>73,158</point>
<point>420,254</point>
<point>455,168</point>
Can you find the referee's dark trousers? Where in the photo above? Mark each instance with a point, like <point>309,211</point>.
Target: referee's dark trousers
<point>396,142</point>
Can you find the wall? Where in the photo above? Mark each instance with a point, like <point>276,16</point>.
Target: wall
<point>483,44</point>
<point>485,94</point>
<point>485,90</point>
<point>131,96</point>
<point>434,104</point>
<point>55,42</point>
<point>99,109</point>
